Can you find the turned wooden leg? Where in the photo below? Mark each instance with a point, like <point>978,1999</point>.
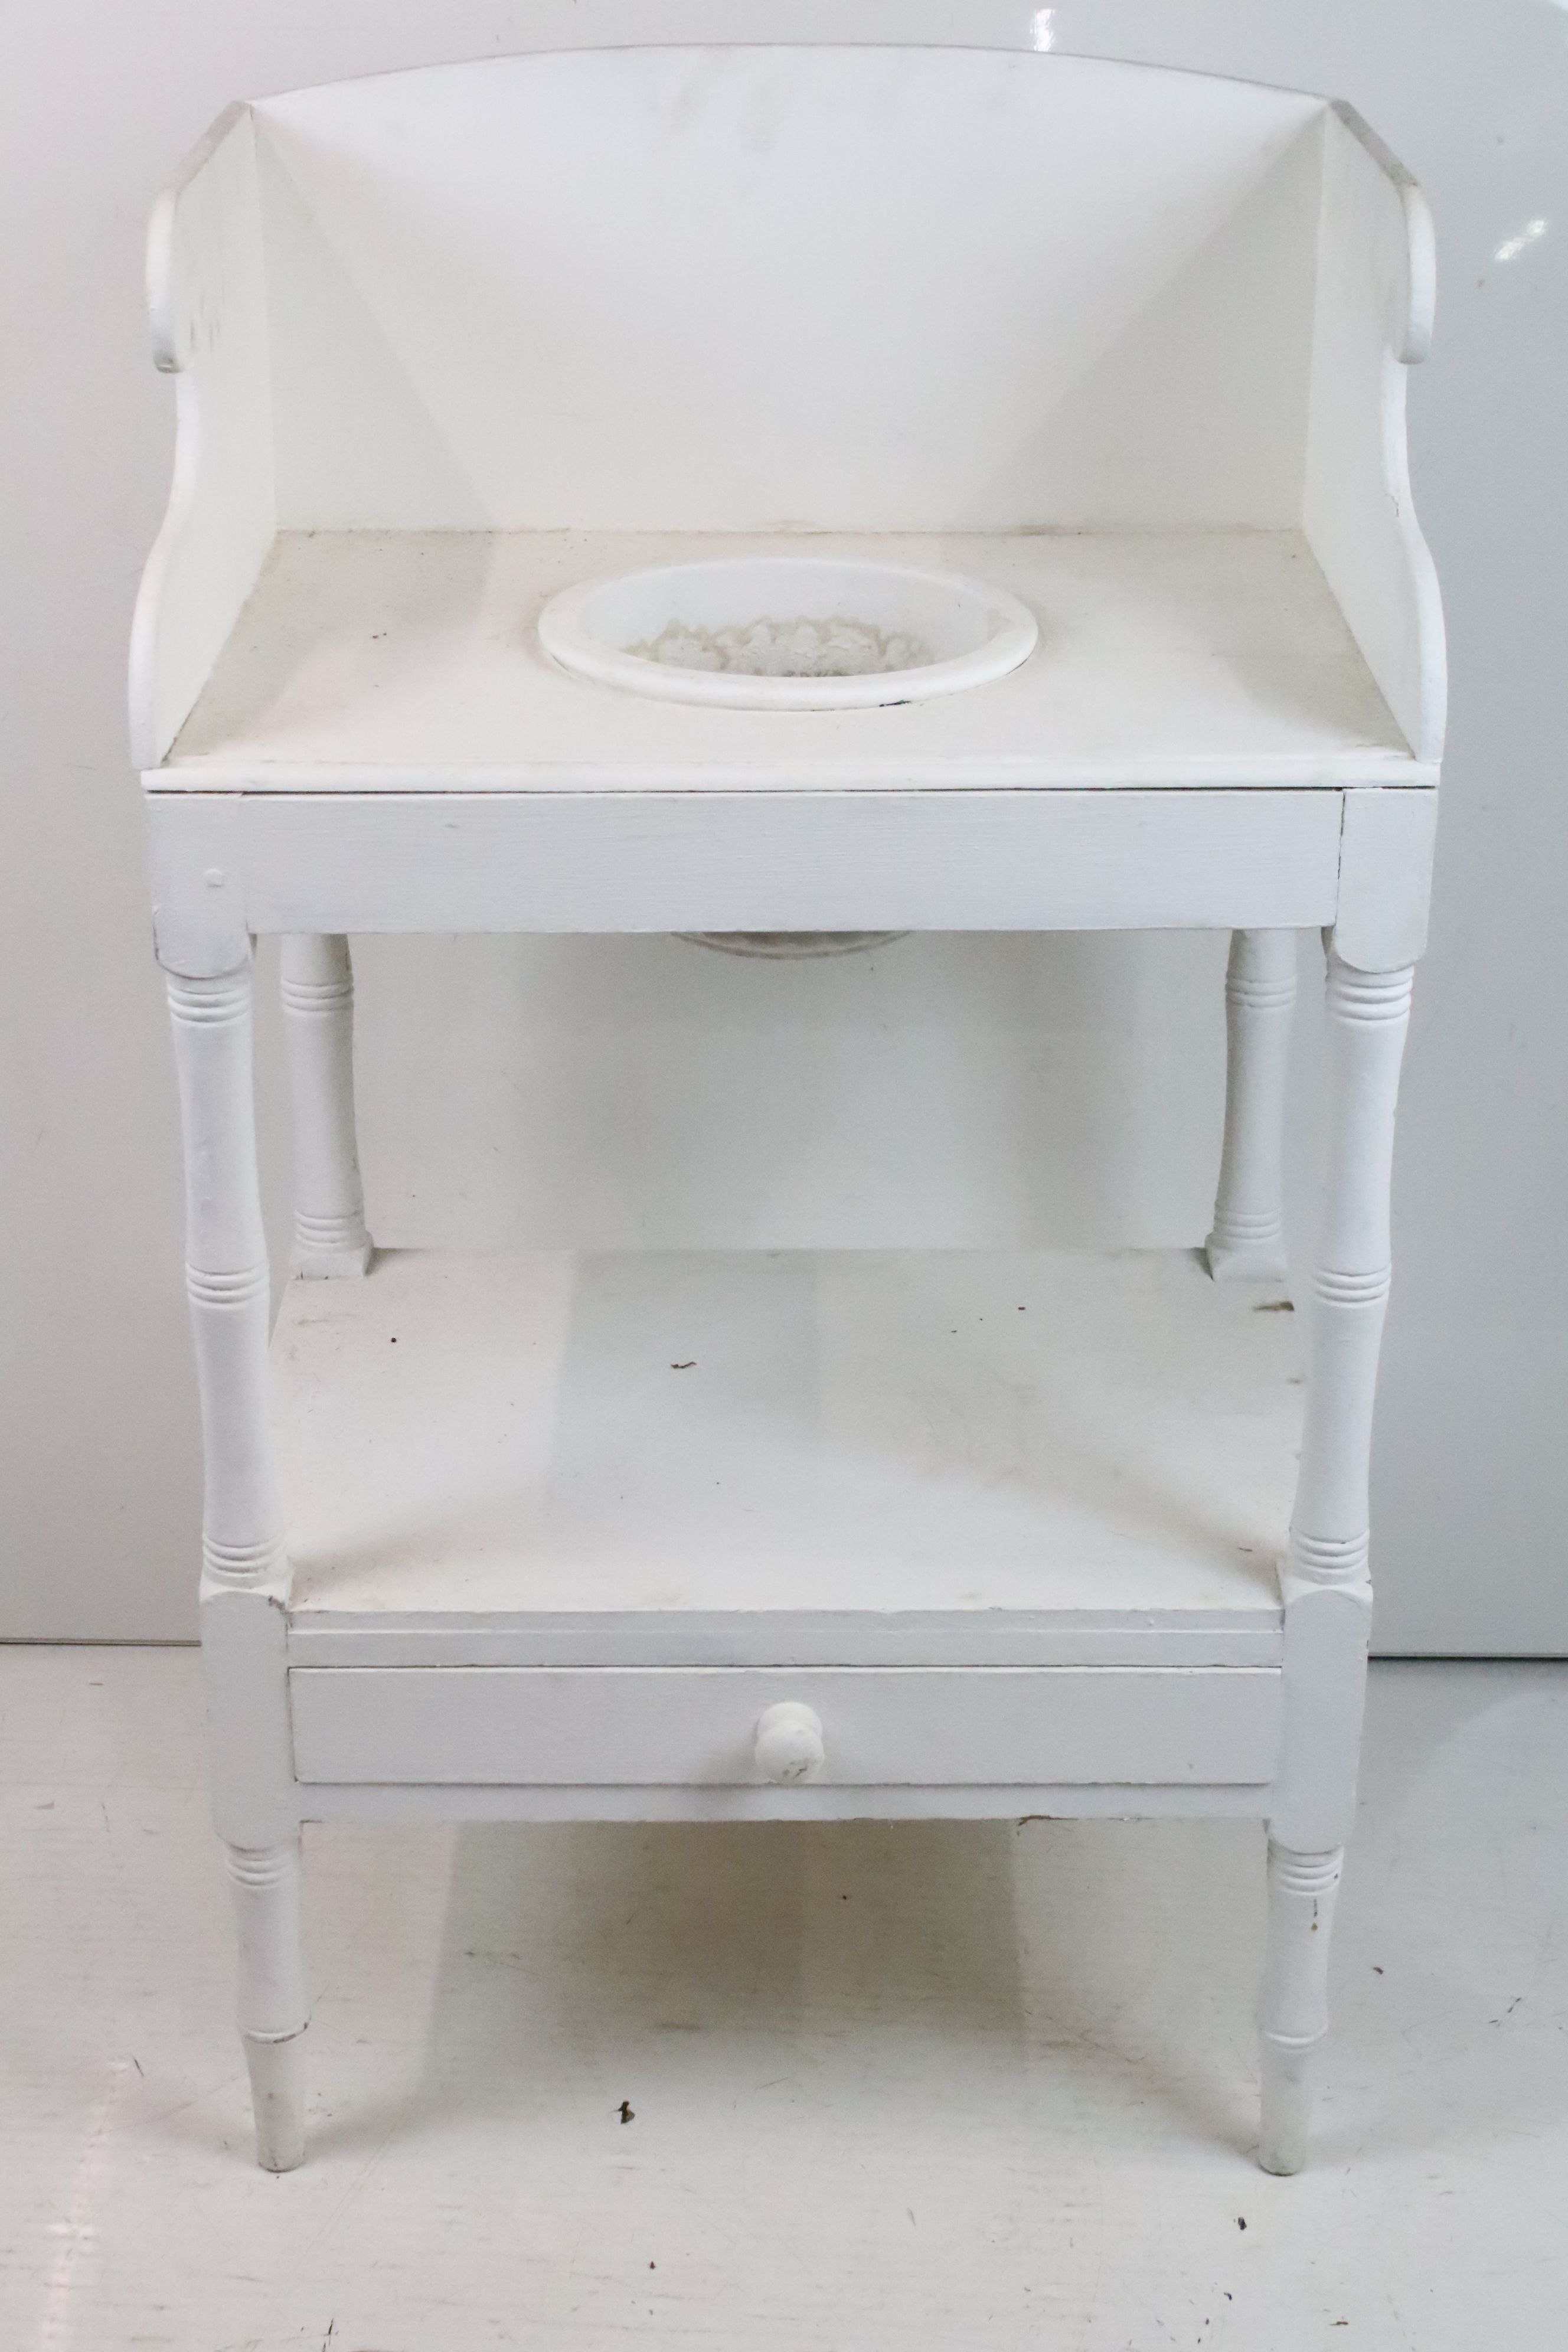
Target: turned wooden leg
<point>266,1885</point>
<point>245,1573</point>
<point>1369,1014</point>
<point>1295,2008</point>
<point>1248,1238</point>
<point>1327,1586</point>
<point>330,1236</point>
<point>227,1277</point>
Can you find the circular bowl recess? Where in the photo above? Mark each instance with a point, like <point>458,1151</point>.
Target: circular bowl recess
<point>782,946</point>
<point>787,633</point>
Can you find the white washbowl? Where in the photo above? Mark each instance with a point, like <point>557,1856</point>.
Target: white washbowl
<point>787,633</point>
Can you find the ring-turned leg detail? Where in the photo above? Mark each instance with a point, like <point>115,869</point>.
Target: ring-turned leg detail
<point>1248,1238</point>
<point>1294,2014</point>
<point>244,1572</point>
<point>1326,1588</point>
<point>272,2013</point>
<point>1369,1014</point>
<point>330,1234</point>
<point>227,1277</point>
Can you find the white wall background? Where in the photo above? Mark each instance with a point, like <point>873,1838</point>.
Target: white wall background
<point>961,1091</point>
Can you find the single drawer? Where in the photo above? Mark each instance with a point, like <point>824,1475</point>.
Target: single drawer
<point>647,1725</point>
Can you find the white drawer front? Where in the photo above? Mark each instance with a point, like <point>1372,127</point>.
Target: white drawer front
<point>630,1727</point>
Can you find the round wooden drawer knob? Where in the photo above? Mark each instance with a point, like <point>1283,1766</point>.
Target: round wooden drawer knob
<point>789,1741</point>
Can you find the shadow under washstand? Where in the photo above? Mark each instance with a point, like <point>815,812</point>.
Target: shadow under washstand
<point>1045,1978</point>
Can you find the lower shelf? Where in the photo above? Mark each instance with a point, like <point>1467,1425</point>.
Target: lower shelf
<point>835,1459</point>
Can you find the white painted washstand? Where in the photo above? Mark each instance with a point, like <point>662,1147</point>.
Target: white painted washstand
<point>1034,430</point>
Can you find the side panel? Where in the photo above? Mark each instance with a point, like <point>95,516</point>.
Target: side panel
<point>1376,291</point>
<point>208,302</point>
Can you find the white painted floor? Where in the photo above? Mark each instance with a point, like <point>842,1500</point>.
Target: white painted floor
<point>947,2085</point>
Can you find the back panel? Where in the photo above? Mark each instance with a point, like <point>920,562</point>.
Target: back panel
<point>737,289</point>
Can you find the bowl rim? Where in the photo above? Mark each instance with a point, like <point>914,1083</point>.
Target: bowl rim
<point>564,636</point>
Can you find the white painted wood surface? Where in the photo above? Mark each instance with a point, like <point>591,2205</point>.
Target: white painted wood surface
<point>729,1458</point>
<point>265,1884</point>
<point>1376,292</point>
<point>511,268</point>
<point>583,1803</point>
<point>226,1276</point>
<point>1294,2013</point>
<point>1247,1239</point>
<point>1170,301</point>
<point>206,297</point>
<point>1037,2039</point>
<point>1386,845</point>
<point>1369,1014</point>
<point>245,1692</point>
<point>408,660</point>
<point>330,1239</point>
<point>690,1728</point>
<point>505,347</point>
<point>226,864</point>
<point>243,1564</point>
<point>1328,1585</point>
